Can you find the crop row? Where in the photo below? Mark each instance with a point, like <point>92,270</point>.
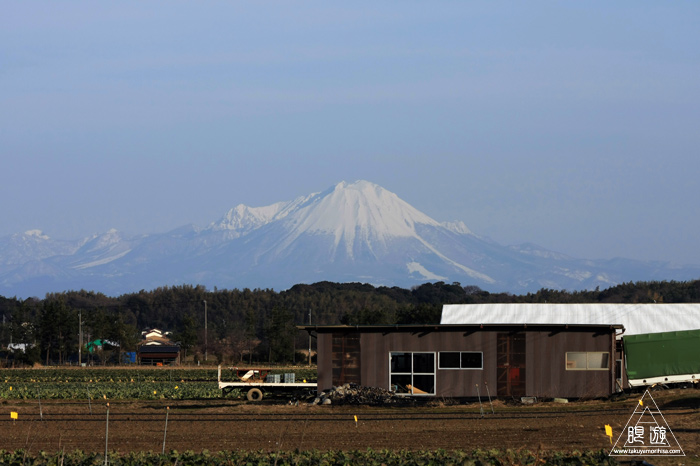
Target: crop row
<point>312,457</point>
<point>90,375</point>
<point>114,374</point>
<point>110,390</point>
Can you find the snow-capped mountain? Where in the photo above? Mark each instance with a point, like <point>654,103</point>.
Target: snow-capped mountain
<point>31,246</point>
<point>352,232</point>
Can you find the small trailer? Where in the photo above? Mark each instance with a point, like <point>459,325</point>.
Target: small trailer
<point>258,381</point>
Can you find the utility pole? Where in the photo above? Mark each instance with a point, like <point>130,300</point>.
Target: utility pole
<point>205,330</point>
<point>309,338</point>
<point>80,338</point>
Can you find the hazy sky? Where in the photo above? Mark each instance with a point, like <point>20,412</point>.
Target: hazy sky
<point>574,125</point>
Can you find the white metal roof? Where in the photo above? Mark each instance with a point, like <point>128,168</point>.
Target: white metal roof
<point>636,318</point>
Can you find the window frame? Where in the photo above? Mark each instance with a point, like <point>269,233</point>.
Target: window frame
<point>412,373</point>
<point>460,368</point>
<point>588,364</point>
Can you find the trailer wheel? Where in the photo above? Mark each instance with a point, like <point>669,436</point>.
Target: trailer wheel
<point>255,394</point>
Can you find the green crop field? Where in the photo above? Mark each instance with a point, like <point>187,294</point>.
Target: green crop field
<point>119,383</point>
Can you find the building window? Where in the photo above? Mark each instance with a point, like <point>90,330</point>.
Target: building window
<point>461,360</point>
<point>587,361</point>
<point>412,373</point>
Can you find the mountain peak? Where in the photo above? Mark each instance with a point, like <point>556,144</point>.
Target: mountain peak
<point>359,185</point>
<point>242,219</point>
<point>351,213</point>
<point>38,234</point>
<point>360,208</point>
<point>457,227</point>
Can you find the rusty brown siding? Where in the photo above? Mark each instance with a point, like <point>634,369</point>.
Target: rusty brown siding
<point>376,348</point>
<point>324,361</point>
<point>546,362</point>
<point>541,373</point>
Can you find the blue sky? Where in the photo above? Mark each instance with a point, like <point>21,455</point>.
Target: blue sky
<point>573,125</point>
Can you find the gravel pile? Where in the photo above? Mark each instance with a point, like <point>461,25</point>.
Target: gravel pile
<point>350,394</point>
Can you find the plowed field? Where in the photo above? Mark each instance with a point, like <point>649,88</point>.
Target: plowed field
<point>273,425</point>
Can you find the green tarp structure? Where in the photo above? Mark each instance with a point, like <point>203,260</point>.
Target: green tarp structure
<point>662,354</point>
<point>93,345</point>
<point>99,344</point>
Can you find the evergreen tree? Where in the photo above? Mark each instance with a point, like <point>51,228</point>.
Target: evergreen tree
<point>280,332</point>
<point>186,336</point>
<point>58,334</point>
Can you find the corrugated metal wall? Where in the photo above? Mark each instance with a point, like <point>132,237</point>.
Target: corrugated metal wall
<point>636,318</point>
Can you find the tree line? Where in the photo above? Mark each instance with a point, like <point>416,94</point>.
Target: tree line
<point>259,325</point>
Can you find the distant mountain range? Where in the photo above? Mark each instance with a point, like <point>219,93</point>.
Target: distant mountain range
<point>357,232</point>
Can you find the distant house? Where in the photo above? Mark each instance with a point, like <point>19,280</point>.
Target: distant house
<point>159,355</point>
<point>156,348</point>
<point>155,336</point>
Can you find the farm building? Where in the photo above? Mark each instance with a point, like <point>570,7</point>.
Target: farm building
<point>159,355</point>
<point>156,348</point>
<point>508,360</point>
<point>660,344</point>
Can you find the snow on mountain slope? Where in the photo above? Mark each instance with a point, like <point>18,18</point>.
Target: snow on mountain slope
<point>353,228</point>
<point>32,245</point>
<point>457,227</point>
<point>348,225</point>
<point>38,234</point>
<point>350,232</point>
<point>243,219</point>
<point>360,207</point>
<point>101,249</point>
<point>361,211</point>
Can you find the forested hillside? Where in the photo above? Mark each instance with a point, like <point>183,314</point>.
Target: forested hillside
<point>259,325</point>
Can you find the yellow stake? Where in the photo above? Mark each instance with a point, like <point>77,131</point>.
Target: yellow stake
<point>13,415</point>
<point>608,432</point>
<point>355,420</point>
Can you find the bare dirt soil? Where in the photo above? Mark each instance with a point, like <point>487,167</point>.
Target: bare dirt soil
<point>276,425</point>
